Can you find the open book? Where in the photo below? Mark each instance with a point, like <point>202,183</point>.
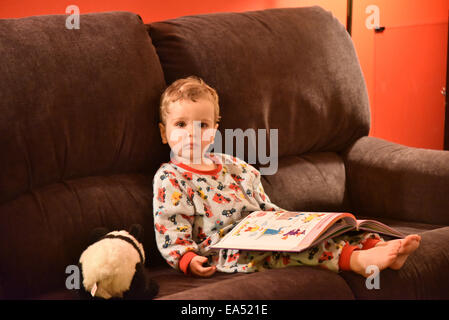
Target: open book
<point>295,231</point>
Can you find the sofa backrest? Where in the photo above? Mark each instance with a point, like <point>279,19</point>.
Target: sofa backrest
<point>291,69</point>
<point>78,117</point>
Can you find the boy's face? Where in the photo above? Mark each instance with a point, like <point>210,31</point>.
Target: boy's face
<point>190,128</point>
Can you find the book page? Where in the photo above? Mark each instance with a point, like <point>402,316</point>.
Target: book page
<point>344,225</point>
<point>275,230</point>
<point>335,223</point>
<point>379,227</point>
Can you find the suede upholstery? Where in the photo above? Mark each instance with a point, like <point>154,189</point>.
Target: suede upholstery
<point>391,180</point>
<point>80,145</point>
<point>78,114</point>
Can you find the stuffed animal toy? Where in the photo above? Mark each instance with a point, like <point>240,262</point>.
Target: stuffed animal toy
<point>112,267</point>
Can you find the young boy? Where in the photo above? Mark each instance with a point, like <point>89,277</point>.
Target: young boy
<point>200,196</point>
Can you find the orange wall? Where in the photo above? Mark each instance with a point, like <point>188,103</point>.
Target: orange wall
<point>154,10</point>
<point>392,14</point>
<point>149,10</point>
<point>337,7</point>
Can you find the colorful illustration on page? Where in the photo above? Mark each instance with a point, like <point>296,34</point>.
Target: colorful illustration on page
<point>237,231</point>
<point>312,216</point>
<point>294,232</point>
<point>289,215</point>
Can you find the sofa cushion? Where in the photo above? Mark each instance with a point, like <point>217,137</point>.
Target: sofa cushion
<point>423,276</point>
<point>78,124</point>
<point>283,284</point>
<point>291,69</point>
<point>310,182</point>
<point>76,102</point>
<point>46,230</point>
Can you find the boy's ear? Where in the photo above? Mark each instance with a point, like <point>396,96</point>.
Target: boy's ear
<point>163,132</point>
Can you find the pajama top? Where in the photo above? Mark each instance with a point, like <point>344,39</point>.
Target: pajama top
<point>193,209</point>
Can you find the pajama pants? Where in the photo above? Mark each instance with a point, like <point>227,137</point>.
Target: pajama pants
<point>332,254</point>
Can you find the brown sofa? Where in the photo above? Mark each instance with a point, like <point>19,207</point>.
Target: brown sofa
<point>79,145</point>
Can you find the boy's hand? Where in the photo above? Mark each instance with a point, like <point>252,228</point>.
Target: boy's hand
<point>196,267</point>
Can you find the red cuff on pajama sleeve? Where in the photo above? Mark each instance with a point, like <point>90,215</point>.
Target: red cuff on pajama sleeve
<point>369,243</point>
<point>345,257</point>
<point>185,261</point>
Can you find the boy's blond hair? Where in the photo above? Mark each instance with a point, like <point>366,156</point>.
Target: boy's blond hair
<point>191,88</point>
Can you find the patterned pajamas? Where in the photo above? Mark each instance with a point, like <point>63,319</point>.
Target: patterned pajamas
<point>194,209</point>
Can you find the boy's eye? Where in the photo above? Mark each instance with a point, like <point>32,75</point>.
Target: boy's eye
<point>182,124</point>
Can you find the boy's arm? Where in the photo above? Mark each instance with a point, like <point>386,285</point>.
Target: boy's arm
<point>173,218</point>
<point>257,188</point>
<point>262,198</point>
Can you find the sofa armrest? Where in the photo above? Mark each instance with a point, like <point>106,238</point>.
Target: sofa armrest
<point>386,179</point>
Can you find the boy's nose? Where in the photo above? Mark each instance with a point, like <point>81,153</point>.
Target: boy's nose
<point>190,131</point>
<point>193,128</point>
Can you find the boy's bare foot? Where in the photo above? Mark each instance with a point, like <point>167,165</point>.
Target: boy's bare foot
<point>381,256</point>
<point>408,245</point>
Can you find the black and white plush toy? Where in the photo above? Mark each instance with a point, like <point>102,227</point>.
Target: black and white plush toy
<point>113,266</point>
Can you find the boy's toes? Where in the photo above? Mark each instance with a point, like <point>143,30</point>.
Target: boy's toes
<point>410,244</point>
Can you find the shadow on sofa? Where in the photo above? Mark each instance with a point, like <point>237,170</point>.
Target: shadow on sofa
<point>80,145</point>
